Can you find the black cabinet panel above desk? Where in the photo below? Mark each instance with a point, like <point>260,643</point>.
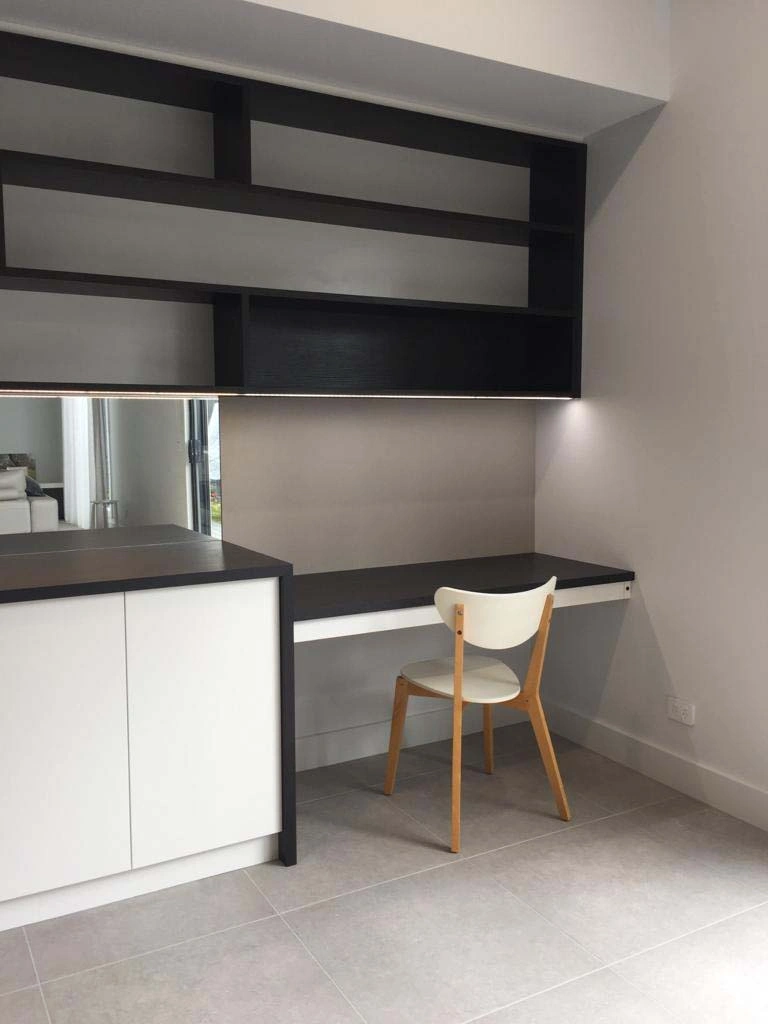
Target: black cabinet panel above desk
<point>355,348</point>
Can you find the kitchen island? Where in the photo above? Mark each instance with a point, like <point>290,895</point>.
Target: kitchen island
<point>146,715</point>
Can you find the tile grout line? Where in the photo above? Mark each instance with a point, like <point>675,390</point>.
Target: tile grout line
<point>461,858</point>
<point>15,991</point>
<point>610,964</point>
<point>156,949</point>
<point>440,839</point>
<point>375,787</point>
<point>559,928</point>
<point>37,976</point>
<point>654,1000</point>
<point>686,935</point>
<point>373,885</point>
<point>365,787</point>
<point>533,995</point>
<point>567,829</point>
<point>303,944</point>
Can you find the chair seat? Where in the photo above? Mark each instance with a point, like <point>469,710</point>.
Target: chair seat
<point>486,680</point>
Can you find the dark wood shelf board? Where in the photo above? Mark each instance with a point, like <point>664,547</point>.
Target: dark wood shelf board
<point>69,282</point>
<point>26,279</point>
<point>338,115</point>
<point>104,71</point>
<point>85,177</point>
<point>47,387</point>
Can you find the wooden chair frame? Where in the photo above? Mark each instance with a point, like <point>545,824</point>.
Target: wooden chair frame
<point>528,700</point>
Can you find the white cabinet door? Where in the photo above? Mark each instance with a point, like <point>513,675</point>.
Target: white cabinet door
<point>203,712</point>
<point>64,814</point>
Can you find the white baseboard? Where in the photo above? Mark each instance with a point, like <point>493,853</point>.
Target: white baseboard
<point>44,905</point>
<point>350,743</point>
<point>702,782</point>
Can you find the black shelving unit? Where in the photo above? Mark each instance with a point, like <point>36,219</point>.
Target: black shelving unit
<point>268,341</point>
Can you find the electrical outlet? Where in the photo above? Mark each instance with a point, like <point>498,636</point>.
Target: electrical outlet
<point>681,710</point>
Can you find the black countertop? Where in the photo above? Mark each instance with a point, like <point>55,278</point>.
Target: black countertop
<point>323,594</point>
<point>70,563</point>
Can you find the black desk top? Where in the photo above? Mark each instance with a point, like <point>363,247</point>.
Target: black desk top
<point>70,563</point>
<point>321,595</point>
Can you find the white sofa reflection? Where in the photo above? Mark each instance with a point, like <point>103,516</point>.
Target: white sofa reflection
<point>20,513</point>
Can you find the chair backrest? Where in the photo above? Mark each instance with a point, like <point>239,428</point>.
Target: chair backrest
<point>495,621</point>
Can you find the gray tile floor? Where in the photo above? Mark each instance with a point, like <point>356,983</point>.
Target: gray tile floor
<point>647,908</point>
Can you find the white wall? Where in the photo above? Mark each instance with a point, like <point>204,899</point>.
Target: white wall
<point>150,468</point>
<point>663,466</point>
<point>33,426</point>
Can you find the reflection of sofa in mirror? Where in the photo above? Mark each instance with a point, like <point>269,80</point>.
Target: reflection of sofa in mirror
<point>21,512</point>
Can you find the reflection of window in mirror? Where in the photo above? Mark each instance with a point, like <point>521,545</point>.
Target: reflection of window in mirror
<point>76,463</point>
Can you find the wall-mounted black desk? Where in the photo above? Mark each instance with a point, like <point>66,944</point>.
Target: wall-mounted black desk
<point>331,604</point>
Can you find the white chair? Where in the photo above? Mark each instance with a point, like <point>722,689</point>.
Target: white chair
<point>494,622</point>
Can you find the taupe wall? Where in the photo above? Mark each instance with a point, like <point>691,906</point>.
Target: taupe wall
<point>344,483</point>
<point>664,465</point>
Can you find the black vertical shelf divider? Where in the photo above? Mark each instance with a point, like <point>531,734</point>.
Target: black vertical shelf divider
<point>230,328</point>
<point>231,163</point>
<point>556,261</point>
<point>2,223</point>
<point>232,133</point>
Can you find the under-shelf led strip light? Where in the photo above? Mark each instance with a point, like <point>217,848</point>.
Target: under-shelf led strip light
<point>96,393</point>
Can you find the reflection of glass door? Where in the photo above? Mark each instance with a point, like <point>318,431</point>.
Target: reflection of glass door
<point>204,461</point>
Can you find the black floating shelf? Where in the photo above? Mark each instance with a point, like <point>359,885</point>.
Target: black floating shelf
<point>62,388</point>
<point>65,282</point>
<point>87,178</point>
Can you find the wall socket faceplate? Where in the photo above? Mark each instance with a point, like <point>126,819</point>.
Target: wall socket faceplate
<point>680,710</point>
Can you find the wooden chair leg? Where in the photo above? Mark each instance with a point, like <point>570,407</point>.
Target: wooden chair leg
<point>488,737</point>
<point>399,709</point>
<point>547,751</point>
<point>456,780</point>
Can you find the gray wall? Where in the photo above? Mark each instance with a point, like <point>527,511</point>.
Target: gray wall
<point>77,338</point>
<point>663,466</point>
<point>338,484</point>
<point>83,338</point>
<point>33,426</point>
